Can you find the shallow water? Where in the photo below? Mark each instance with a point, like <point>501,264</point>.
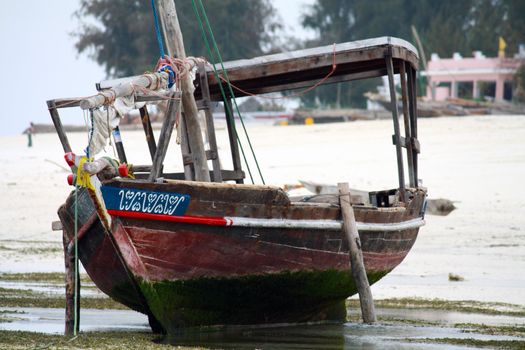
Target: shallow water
<point>345,336</point>
<point>329,336</point>
<point>51,320</point>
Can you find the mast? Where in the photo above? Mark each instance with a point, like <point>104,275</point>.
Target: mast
<point>175,45</point>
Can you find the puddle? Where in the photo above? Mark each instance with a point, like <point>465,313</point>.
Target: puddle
<point>51,320</point>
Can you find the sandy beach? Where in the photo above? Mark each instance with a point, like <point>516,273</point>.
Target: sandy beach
<point>478,162</point>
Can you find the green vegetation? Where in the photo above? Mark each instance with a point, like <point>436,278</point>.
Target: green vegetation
<point>92,340</point>
<point>120,35</point>
<point>468,306</point>
<point>193,294</point>
<point>26,297</point>
<point>479,344</point>
<point>29,298</point>
<point>292,295</point>
<point>514,331</point>
<point>455,278</point>
<point>519,83</point>
<point>41,277</point>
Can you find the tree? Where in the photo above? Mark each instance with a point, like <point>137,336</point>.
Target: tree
<point>519,85</point>
<point>120,34</point>
<point>445,27</point>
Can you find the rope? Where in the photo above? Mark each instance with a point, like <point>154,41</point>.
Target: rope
<point>230,88</point>
<point>92,131</point>
<point>203,10</point>
<point>226,105</point>
<point>75,302</point>
<point>157,29</point>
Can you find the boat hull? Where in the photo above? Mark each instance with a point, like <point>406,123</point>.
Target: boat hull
<point>97,252</point>
<point>186,274</point>
<point>238,276</point>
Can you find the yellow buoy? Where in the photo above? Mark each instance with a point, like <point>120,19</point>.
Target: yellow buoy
<point>309,121</point>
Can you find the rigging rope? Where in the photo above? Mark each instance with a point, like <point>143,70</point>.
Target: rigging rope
<point>157,29</point>
<point>75,289</point>
<point>214,42</point>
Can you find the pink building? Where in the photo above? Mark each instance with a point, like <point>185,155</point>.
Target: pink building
<point>472,77</point>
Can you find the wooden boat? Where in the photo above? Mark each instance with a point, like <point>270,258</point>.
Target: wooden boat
<point>194,253</point>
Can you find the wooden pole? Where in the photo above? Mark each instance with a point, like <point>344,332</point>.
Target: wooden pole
<point>164,139</point>
<point>412,97</point>
<point>356,255</point>
<point>406,124</point>
<point>212,140</point>
<point>58,126</point>
<point>232,134</point>
<point>119,145</point>
<point>395,116</point>
<point>175,45</point>
<point>69,261</point>
<point>148,131</point>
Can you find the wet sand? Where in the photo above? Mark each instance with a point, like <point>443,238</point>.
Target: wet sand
<point>478,162</point>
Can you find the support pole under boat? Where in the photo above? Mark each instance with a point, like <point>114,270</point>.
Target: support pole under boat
<point>356,255</point>
<point>71,327</point>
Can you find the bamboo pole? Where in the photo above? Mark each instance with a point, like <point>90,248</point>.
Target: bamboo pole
<point>152,81</point>
<point>175,44</point>
<point>356,255</point>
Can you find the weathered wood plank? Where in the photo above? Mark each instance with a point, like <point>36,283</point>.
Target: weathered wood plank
<point>164,139</point>
<point>285,71</point>
<point>352,59</point>
<point>56,226</point>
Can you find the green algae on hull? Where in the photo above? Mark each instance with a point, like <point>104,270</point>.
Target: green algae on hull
<point>257,299</point>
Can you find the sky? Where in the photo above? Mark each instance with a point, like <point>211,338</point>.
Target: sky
<point>39,61</point>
